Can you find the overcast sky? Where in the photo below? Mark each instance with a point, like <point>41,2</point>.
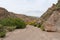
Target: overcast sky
<point>28,7</point>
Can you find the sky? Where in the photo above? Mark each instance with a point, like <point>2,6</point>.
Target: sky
<point>27,7</point>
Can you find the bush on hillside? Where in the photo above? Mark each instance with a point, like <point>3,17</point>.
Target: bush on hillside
<point>7,22</point>
<point>37,25</point>
<point>32,23</point>
<point>20,23</point>
<point>2,31</point>
<point>10,28</point>
<point>58,5</point>
<point>12,23</point>
<point>42,28</point>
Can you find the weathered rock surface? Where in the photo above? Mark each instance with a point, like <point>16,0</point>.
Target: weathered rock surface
<point>53,22</point>
<point>3,13</point>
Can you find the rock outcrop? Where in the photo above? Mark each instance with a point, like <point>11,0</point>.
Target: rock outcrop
<point>52,22</point>
<point>3,13</point>
<point>51,18</point>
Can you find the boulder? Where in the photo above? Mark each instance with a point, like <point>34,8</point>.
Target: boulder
<point>53,22</point>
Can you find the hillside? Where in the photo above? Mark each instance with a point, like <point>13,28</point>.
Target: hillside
<point>51,18</point>
<point>26,18</point>
<point>4,13</point>
<point>47,14</point>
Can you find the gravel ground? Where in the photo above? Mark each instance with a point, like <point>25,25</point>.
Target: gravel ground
<point>31,33</point>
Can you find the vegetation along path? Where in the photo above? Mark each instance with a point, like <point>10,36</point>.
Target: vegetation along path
<point>31,33</point>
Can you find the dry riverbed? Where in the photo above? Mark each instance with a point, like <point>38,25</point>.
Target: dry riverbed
<point>31,33</point>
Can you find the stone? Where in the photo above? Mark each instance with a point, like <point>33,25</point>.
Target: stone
<point>53,22</point>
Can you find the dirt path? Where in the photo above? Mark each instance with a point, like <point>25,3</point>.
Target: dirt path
<point>32,33</point>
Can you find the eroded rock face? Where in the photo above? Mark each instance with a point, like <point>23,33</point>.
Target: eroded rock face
<point>3,12</point>
<point>51,18</point>
<point>53,22</point>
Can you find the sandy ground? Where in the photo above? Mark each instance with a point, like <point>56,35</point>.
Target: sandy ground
<point>31,33</point>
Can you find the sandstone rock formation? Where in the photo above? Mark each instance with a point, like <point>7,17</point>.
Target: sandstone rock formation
<point>51,18</point>
<point>3,13</point>
<point>53,22</point>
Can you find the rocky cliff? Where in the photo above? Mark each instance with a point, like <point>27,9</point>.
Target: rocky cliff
<point>51,18</point>
<point>3,13</point>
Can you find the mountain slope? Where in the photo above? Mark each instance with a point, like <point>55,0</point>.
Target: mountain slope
<point>5,14</point>
<point>51,18</point>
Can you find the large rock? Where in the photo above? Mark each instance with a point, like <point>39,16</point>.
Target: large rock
<point>51,18</point>
<point>53,22</point>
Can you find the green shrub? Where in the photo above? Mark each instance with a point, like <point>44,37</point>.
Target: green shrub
<point>2,34</point>
<point>10,28</point>
<point>7,22</point>
<point>42,27</point>
<point>14,22</point>
<point>33,23</point>
<point>20,23</point>
<point>2,31</point>
<point>10,24</point>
